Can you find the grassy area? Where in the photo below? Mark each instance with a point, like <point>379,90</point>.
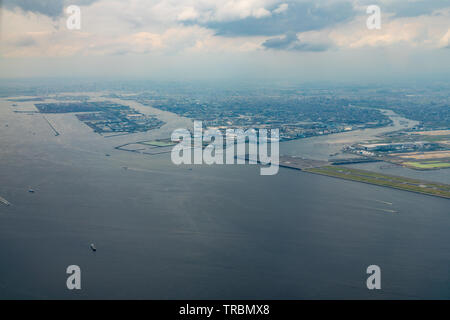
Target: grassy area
<point>428,164</point>
<point>430,188</point>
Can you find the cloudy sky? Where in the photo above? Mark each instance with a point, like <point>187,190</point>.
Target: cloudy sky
<point>261,39</point>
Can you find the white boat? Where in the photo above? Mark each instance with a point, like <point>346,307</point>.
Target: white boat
<point>4,201</point>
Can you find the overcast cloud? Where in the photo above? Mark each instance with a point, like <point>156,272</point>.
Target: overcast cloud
<point>185,30</point>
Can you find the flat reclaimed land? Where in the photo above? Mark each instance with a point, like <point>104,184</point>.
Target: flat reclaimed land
<point>428,165</point>
<point>413,185</point>
<point>424,155</point>
<point>300,163</point>
<point>433,132</point>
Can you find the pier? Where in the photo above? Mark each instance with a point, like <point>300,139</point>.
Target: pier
<point>51,126</point>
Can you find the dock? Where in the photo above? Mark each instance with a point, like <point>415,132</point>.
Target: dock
<point>51,126</point>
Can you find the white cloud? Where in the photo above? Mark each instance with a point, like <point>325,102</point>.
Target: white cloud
<point>421,31</point>
<point>188,14</point>
<point>444,42</point>
<point>281,8</point>
<point>137,26</point>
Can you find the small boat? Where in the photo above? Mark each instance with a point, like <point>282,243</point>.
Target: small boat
<point>30,190</point>
<point>4,201</point>
<point>93,248</point>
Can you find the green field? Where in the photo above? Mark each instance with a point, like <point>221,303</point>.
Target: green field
<point>430,188</point>
<point>428,164</point>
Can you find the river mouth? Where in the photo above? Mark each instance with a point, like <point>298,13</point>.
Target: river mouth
<point>322,147</point>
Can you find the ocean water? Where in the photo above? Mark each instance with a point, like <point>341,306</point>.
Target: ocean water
<point>201,232</point>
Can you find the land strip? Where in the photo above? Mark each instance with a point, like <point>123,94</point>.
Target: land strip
<point>407,184</point>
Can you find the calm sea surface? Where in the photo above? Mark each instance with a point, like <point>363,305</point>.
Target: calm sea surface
<point>166,232</point>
